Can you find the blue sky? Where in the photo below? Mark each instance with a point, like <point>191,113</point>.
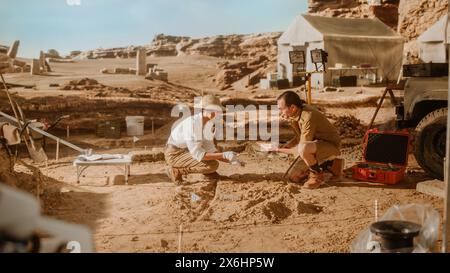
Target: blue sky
<point>67,25</point>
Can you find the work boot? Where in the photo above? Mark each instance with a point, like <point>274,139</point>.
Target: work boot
<point>175,175</point>
<point>337,169</point>
<point>299,177</point>
<point>315,180</point>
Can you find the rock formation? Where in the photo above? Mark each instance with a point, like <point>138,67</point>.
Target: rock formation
<point>387,12</point>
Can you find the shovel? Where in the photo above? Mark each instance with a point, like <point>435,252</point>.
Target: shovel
<point>36,153</point>
<point>287,174</point>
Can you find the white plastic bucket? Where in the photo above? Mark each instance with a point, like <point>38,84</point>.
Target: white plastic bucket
<point>135,125</point>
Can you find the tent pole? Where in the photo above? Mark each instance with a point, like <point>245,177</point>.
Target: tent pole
<point>446,228</point>
<point>309,75</point>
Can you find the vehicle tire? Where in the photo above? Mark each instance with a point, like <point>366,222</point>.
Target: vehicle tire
<point>430,141</point>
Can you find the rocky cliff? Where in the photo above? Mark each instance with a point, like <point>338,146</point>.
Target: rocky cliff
<point>387,11</point>
<point>416,16</point>
<point>222,46</point>
<point>257,54</point>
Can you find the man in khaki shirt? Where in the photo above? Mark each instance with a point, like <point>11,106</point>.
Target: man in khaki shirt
<point>316,141</point>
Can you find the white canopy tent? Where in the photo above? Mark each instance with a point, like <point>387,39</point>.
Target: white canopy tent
<point>348,41</point>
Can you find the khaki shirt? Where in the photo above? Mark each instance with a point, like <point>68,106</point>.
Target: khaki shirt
<point>312,125</point>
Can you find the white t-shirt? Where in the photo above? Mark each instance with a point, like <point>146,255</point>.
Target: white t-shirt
<point>189,134</point>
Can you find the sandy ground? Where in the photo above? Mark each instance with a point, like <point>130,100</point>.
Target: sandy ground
<point>250,209</point>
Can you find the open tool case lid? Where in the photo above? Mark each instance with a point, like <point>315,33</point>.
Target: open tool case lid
<point>387,147</point>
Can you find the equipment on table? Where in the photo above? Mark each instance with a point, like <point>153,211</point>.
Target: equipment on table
<point>89,160</point>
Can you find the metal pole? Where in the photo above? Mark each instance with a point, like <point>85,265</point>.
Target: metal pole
<point>180,235</point>
<point>57,150</point>
<point>446,228</point>
<point>309,89</point>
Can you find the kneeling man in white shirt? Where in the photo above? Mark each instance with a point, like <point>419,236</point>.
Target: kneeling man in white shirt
<point>189,150</point>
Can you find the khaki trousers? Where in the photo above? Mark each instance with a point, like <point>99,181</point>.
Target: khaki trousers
<point>183,161</point>
<point>320,151</point>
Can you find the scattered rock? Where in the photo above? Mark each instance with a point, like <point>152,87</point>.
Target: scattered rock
<point>75,53</point>
<point>85,81</point>
<point>276,211</point>
<point>59,60</point>
<point>4,49</point>
<point>53,53</point>
<point>349,127</point>
<point>226,77</point>
<point>119,70</point>
<point>159,75</point>
<point>19,63</point>
<point>304,208</point>
<point>26,68</point>
<point>153,155</point>
<point>84,84</point>
<point>330,89</point>
<point>164,243</point>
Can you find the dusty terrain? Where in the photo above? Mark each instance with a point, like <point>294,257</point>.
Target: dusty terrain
<point>250,209</point>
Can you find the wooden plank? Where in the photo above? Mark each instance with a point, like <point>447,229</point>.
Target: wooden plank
<point>13,85</point>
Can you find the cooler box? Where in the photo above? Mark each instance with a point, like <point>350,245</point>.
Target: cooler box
<point>385,155</point>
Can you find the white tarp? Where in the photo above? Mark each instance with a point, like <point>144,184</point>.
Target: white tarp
<point>436,33</point>
<point>432,42</point>
<point>347,41</point>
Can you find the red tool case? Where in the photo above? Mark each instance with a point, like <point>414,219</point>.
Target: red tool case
<point>385,155</point>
